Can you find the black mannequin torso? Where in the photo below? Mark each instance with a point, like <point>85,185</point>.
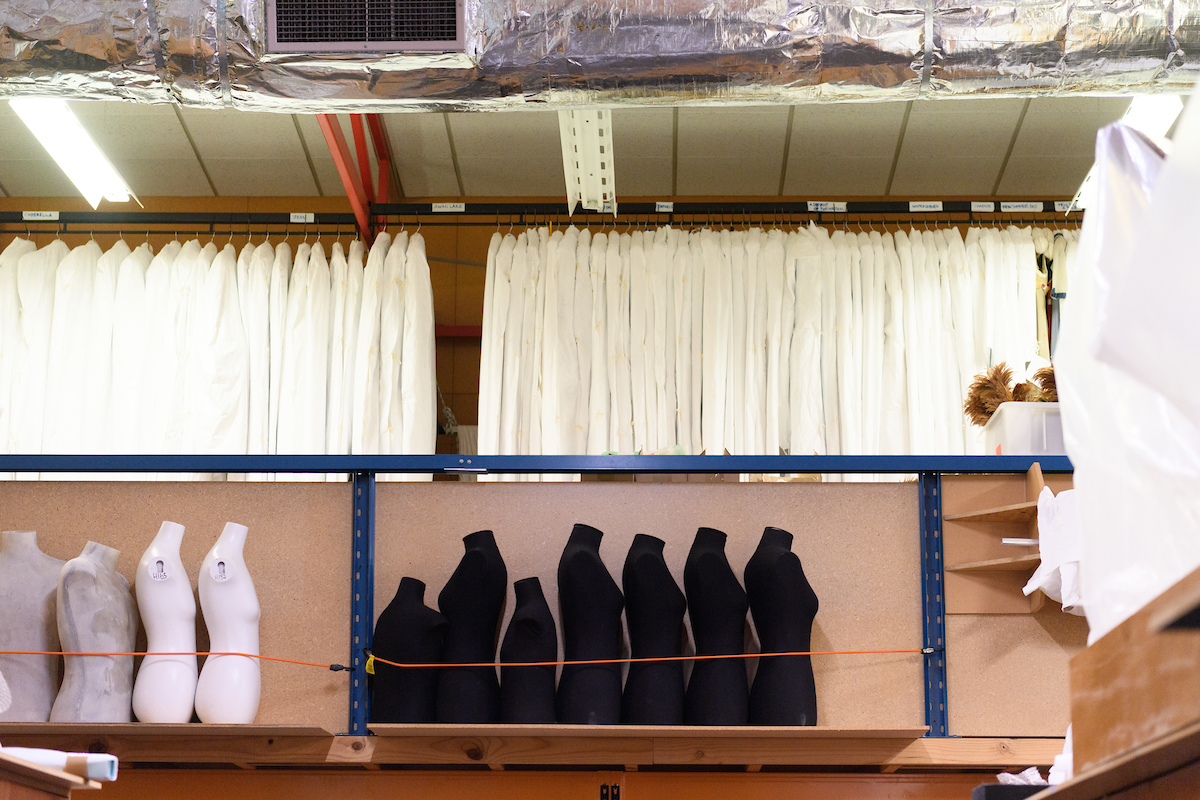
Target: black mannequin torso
<point>591,604</point>
<point>783,605</point>
<point>527,693</point>
<point>409,632</point>
<point>718,693</point>
<point>654,608</point>
<point>472,602</point>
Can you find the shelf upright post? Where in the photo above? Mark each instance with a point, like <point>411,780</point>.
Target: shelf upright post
<point>933,602</point>
<point>362,594</point>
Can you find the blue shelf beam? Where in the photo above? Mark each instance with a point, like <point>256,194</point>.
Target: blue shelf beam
<point>362,598</point>
<point>933,604</point>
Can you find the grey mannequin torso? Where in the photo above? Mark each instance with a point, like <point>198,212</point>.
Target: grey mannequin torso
<point>28,583</point>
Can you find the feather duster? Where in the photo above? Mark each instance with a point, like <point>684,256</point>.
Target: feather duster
<point>1045,379</point>
<point>1026,393</point>
<point>987,392</point>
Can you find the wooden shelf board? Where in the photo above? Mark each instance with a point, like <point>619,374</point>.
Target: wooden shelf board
<point>187,743</point>
<point>1011,564</point>
<point>1018,512</point>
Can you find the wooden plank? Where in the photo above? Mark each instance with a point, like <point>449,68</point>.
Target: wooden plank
<point>486,749</point>
<point>1018,512</point>
<point>1135,685</point>
<point>1162,756</point>
<point>198,744</point>
<point>48,781</point>
<point>1025,563</point>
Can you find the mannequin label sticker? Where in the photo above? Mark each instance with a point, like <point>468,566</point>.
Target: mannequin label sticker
<point>158,571</point>
<point>218,571</point>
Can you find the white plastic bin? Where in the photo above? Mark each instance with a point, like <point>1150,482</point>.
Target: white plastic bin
<point>1025,429</point>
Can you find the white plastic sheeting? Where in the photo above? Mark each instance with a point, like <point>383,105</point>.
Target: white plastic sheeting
<point>754,342</point>
<point>201,350</point>
<point>1131,421</point>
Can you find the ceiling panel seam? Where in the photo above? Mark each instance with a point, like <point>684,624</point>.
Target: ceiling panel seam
<point>899,144</point>
<point>462,192</point>
<point>196,151</point>
<point>4,191</point>
<point>787,148</point>
<point>1011,144</point>
<point>308,155</point>
<point>674,152</point>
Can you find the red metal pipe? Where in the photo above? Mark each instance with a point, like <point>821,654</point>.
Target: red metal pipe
<point>383,155</point>
<point>355,192</point>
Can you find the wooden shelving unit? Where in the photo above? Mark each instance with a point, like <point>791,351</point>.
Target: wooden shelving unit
<point>984,575</point>
<point>22,780</point>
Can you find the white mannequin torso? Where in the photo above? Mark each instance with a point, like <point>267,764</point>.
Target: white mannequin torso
<point>229,686</point>
<point>165,690</point>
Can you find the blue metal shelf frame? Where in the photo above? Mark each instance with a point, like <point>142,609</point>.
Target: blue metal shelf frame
<point>364,469</point>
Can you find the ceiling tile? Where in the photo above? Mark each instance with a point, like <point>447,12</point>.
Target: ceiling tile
<point>730,151</point>
<point>35,178</point>
<point>421,148</point>
<point>163,177</point>
<point>955,147</point>
<point>843,148</point>
<point>643,145</point>
<point>1066,126</point>
<point>322,162</point>
<point>229,133</point>
<point>515,153</point>
<point>262,177</point>
<point>1057,176</point>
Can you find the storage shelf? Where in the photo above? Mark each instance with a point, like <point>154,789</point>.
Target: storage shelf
<point>1018,512</point>
<point>1011,564</point>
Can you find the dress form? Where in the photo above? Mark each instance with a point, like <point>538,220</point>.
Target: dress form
<point>165,689</point>
<point>718,693</point>
<point>96,614</point>
<point>28,583</point>
<point>472,602</point>
<point>229,686</point>
<point>408,632</point>
<point>527,693</point>
<point>591,603</point>
<point>654,607</point>
<point>783,605</point>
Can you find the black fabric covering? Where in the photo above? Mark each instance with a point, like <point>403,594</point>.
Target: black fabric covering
<point>654,608</point>
<point>719,692</point>
<point>527,693</point>
<point>409,632</point>
<point>783,606</point>
<point>473,601</point>
<point>590,604</point>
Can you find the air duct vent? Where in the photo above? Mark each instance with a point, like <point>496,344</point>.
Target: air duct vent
<point>301,26</point>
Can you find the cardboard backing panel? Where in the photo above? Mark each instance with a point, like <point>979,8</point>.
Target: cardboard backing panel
<point>298,552</point>
<point>858,544</point>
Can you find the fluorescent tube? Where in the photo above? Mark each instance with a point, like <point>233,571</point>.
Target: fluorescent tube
<point>59,131</point>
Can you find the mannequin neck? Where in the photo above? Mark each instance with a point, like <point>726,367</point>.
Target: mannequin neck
<point>411,589</point>
<point>19,542</point>
<point>711,537</point>
<point>479,539</point>
<point>233,537</point>
<point>586,536</point>
<point>528,589</point>
<point>94,551</point>
<point>171,534</point>
<point>777,537</point>
<point>646,543</point>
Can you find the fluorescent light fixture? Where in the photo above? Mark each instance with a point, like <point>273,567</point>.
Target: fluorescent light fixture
<point>1151,114</point>
<point>59,131</point>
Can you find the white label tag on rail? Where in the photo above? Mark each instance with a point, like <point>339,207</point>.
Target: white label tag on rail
<point>39,216</point>
<point>664,208</point>
<point>827,206</point>
<point>1064,205</point>
<point>301,217</point>
<point>449,208</point>
<point>983,206</point>
<point>1022,207</point>
<point>925,205</point>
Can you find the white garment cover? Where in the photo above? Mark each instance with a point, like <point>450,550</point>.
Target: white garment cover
<point>418,383</point>
<point>1060,542</point>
